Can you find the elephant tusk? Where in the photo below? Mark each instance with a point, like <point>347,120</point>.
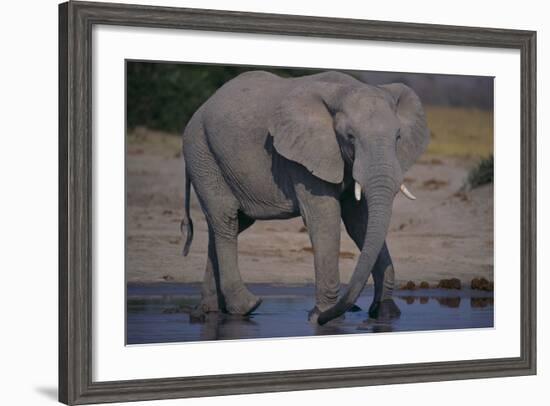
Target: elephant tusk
<point>357,191</point>
<point>406,192</point>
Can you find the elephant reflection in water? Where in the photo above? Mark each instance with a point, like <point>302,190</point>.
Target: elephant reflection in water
<point>218,326</point>
<point>325,147</point>
<point>221,326</point>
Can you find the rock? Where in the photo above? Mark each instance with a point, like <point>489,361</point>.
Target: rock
<point>303,229</point>
<point>434,184</point>
<point>453,283</point>
<point>424,285</point>
<point>410,285</point>
<point>462,196</point>
<point>168,278</point>
<point>481,284</point>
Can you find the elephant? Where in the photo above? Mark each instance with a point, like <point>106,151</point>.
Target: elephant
<point>326,147</point>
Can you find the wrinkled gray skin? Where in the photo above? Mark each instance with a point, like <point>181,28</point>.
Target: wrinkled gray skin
<point>264,147</point>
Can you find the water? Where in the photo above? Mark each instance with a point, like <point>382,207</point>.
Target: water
<point>155,315</point>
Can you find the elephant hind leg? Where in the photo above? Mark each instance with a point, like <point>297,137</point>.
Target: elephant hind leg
<point>223,226</point>
<point>221,209</point>
<point>236,297</point>
<point>211,298</point>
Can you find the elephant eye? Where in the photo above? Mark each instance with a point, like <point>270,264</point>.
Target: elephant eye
<point>398,137</point>
<point>350,136</point>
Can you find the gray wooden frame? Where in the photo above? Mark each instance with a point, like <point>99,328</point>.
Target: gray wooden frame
<point>76,20</point>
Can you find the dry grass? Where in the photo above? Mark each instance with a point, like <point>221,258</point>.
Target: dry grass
<point>460,132</point>
<point>143,140</point>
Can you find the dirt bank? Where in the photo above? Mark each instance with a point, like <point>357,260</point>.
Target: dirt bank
<point>440,235</point>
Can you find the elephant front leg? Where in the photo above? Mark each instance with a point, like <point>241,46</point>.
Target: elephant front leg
<point>321,214</point>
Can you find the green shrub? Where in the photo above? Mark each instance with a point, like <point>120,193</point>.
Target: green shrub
<point>482,173</point>
<point>164,96</point>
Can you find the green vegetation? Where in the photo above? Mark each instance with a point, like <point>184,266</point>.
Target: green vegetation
<point>164,96</point>
<point>482,173</point>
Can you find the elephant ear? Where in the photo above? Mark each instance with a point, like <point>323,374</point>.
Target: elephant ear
<point>303,131</point>
<point>415,134</point>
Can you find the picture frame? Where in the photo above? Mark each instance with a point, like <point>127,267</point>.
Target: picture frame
<point>76,352</point>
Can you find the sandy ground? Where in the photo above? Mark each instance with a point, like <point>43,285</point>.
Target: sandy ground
<point>444,233</point>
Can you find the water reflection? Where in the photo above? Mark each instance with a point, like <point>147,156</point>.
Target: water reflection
<point>217,326</point>
<point>160,314</point>
<point>408,299</point>
<point>333,328</point>
<point>478,302</point>
<point>452,302</point>
<point>376,326</point>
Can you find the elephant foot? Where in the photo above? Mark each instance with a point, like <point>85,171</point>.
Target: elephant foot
<point>354,309</point>
<point>384,310</point>
<point>209,304</point>
<point>242,302</point>
<point>197,314</point>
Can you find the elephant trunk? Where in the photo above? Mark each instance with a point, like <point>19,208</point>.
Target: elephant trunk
<point>380,191</point>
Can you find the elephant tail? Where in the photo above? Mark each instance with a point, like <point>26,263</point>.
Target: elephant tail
<point>187,222</point>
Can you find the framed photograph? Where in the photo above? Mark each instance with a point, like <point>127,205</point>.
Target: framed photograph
<point>259,202</point>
